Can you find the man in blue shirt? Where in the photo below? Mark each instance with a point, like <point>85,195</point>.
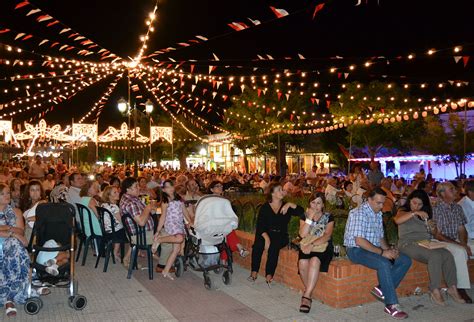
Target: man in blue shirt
<point>365,243</point>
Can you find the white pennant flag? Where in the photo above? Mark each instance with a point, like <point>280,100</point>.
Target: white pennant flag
<point>215,57</point>
<point>33,11</point>
<point>317,101</point>
<point>201,37</point>
<point>301,56</point>
<point>214,95</point>
<point>196,79</point>
<point>66,30</point>
<point>287,96</point>
<point>193,87</point>
<point>21,34</point>
<point>218,84</point>
<point>346,75</point>
<point>457,58</point>
<point>255,22</point>
<point>43,42</point>
<point>242,87</point>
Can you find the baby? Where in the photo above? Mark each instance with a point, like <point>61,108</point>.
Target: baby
<point>52,260</point>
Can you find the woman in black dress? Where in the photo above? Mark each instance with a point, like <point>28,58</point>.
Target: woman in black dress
<point>272,231</point>
<point>312,260</point>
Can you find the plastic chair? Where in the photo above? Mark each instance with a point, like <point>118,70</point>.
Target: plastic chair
<point>140,244</point>
<point>93,237</point>
<point>108,238</point>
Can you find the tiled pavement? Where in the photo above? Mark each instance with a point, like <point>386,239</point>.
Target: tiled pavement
<point>111,297</point>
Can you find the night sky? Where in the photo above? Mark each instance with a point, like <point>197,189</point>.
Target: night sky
<point>388,28</point>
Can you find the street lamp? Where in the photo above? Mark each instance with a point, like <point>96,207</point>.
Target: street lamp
<point>202,153</point>
<point>122,105</point>
<point>149,110</point>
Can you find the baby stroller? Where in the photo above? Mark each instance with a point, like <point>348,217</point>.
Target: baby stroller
<point>54,221</point>
<point>214,219</point>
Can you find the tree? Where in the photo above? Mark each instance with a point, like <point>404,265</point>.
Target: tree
<point>446,139</point>
<point>256,118</point>
<point>368,101</point>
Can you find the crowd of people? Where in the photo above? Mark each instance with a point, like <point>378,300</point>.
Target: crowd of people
<point>435,220</point>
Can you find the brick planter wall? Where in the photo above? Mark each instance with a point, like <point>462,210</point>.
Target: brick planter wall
<point>345,284</point>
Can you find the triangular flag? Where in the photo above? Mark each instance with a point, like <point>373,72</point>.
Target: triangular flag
<point>68,29</point>
<point>317,8</point>
<point>465,60</point>
<point>287,96</point>
<point>33,11</point>
<point>457,59</point>
<point>192,68</point>
<point>52,23</point>
<point>193,87</point>
<point>346,75</point>
<point>242,87</point>
<point>21,34</point>
<point>22,4</point>
<point>259,91</point>
<point>279,95</point>
<point>238,26</point>
<point>211,68</point>
<point>230,85</point>
<point>44,18</point>
<point>214,95</point>
<point>279,13</point>
<point>317,101</point>
<point>201,37</point>
<point>301,56</point>
<point>215,57</point>
<point>27,37</point>
<point>339,75</point>
<point>255,22</point>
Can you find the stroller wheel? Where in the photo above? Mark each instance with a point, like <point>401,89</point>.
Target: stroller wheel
<point>78,302</point>
<point>33,305</point>
<point>227,278</point>
<point>179,266</point>
<point>207,281</point>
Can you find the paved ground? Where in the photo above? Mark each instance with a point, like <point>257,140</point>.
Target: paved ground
<point>111,297</point>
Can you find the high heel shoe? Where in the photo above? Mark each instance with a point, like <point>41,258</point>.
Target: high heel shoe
<point>269,283</point>
<point>436,301</point>
<point>251,278</point>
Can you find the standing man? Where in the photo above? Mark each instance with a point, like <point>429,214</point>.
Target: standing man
<point>467,204</point>
<point>375,176</point>
<point>37,169</point>
<point>365,243</point>
<point>450,220</point>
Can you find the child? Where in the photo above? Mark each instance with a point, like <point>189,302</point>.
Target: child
<point>52,260</point>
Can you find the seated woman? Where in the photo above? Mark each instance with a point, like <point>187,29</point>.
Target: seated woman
<point>272,231</point>
<point>32,196</point>
<point>144,190</point>
<point>14,259</point>
<point>313,256</point>
<point>15,191</point>
<point>110,198</point>
<point>216,188</point>
<point>413,226</point>
<point>88,194</point>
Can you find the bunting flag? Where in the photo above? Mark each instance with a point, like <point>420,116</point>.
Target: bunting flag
<point>33,11</point>
<point>279,13</point>
<point>201,37</point>
<point>238,26</point>
<point>2,31</point>
<point>319,7</point>
<point>255,22</point>
<point>465,60</point>
<point>44,18</point>
<point>22,4</point>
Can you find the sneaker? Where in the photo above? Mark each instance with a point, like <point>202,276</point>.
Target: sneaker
<point>52,270</point>
<point>377,293</point>
<point>395,312</point>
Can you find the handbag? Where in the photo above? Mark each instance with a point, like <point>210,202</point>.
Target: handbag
<point>316,248</point>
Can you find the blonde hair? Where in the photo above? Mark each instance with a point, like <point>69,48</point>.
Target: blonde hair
<point>107,192</point>
<point>442,187</point>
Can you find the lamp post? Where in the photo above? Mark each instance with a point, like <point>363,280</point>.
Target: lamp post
<point>149,110</point>
<point>124,107</point>
<point>202,153</point>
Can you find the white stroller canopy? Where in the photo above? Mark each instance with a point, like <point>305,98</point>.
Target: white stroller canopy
<point>214,219</point>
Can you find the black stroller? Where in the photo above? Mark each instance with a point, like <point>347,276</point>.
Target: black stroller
<point>214,219</point>
<point>54,221</point>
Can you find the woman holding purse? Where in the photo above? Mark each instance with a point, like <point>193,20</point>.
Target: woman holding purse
<point>316,249</point>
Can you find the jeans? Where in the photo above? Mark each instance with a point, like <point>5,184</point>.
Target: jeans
<point>389,275</point>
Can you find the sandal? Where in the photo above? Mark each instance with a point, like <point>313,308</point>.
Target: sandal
<point>252,278</point>
<point>305,308</point>
<point>269,283</point>
<point>43,291</point>
<point>10,309</point>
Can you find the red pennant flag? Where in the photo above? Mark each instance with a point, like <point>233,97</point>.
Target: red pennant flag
<point>328,103</point>
<point>192,68</point>
<point>204,91</point>
<point>339,75</point>
<point>259,91</point>
<point>279,95</point>
<point>312,100</point>
<point>54,44</point>
<point>317,8</point>
<point>2,31</point>
<point>465,60</point>
<point>196,104</point>
<point>279,13</point>
<point>224,97</point>
<point>230,86</point>
<point>292,116</point>
<point>238,26</point>
<point>21,4</point>
<point>52,23</point>
<point>268,110</point>
<point>27,37</point>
